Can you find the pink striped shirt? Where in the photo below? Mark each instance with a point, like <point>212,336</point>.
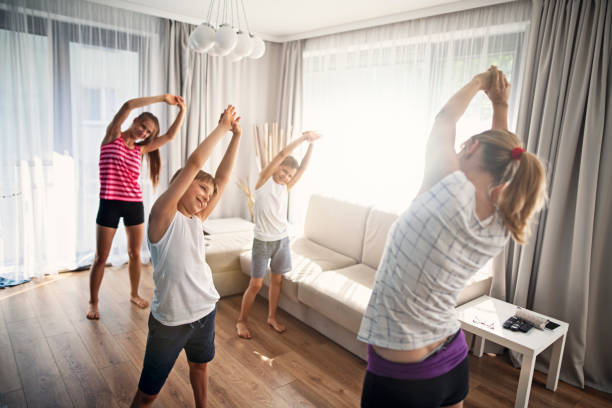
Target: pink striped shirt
<point>120,172</point>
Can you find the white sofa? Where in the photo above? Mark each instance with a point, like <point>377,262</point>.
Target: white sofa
<point>334,265</point>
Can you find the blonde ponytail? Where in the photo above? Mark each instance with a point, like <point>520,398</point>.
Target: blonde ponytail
<point>523,196</point>
<point>523,174</point>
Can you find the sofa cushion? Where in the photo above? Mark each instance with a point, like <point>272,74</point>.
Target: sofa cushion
<point>342,295</point>
<point>375,237</point>
<point>307,258</point>
<point>223,250</point>
<point>337,225</point>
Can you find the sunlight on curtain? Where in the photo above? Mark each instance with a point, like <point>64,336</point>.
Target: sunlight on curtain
<point>26,155</point>
<point>72,64</point>
<point>374,94</point>
<point>95,98</point>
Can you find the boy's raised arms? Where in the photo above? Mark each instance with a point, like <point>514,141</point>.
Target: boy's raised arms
<point>165,207</point>
<point>224,171</point>
<point>269,170</point>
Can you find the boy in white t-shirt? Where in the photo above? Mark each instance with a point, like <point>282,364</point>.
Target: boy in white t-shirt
<point>184,304</point>
<point>271,242</point>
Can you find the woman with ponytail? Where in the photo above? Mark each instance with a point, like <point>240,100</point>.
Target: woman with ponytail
<point>469,205</point>
<point>120,194</point>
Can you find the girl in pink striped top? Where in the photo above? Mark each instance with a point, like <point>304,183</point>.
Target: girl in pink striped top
<point>120,193</point>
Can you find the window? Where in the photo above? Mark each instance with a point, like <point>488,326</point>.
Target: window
<point>62,78</point>
<point>375,103</point>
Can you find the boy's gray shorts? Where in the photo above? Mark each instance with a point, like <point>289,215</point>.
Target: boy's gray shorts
<point>277,252</point>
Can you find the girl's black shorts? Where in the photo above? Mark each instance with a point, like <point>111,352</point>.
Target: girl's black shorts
<point>110,211</point>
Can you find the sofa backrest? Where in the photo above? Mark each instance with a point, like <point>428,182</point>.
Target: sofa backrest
<point>337,225</point>
<point>377,228</point>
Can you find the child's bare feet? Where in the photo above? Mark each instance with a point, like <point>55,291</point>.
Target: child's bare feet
<point>138,301</point>
<point>93,313</point>
<point>242,330</point>
<point>276,325</point>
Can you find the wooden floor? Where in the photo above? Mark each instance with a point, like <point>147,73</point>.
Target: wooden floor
<point>50,355</point>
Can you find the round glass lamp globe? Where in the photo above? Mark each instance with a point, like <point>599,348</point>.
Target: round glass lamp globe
<point>259,48</point>
<point>216,51</point>
<point>244,45</point>
<point>226,38</point>
<point>202,38</point>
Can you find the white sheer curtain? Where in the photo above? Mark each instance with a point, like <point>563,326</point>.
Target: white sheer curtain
<point>374,93</point>
<point>67,67</point>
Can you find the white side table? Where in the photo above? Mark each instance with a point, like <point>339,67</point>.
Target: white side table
<point>484,318</point>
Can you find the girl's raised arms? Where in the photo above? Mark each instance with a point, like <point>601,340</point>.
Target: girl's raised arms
<point>157,142</point>
<point>113,131</point>
<point>499,94</point>
<point>440,156</point>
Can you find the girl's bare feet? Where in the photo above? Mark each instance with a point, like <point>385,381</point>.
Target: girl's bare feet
<point>276,325</point>
<point>242,330</point>
<point>93,313</point>
<point>138,301</point>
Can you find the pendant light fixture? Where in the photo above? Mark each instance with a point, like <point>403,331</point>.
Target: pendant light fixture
<point>221,37</point>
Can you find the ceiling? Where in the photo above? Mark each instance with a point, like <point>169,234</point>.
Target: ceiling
<point>287,20</point>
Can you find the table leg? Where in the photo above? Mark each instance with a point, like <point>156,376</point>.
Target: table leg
<point>478,348</point>
<point>524,385</point>
<point>552,379</point>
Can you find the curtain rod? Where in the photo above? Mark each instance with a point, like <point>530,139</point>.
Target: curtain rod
<point>508,28</point>
<point>75,20</point>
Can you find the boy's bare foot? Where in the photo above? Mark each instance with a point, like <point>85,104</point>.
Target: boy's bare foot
<point>138,301</point>
<point>276,325</point>
<point>242,330</point>
<point>93,313</point>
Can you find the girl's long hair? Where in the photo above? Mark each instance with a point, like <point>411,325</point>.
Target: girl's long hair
<point>153,157</point>
<point>525,179</point>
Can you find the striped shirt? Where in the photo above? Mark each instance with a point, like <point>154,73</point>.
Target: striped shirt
<point>433,249</point>
<point>120,172</point>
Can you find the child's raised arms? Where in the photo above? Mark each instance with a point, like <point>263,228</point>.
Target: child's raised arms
<point>224,171</point>
<point>269,170</point>
<point>172,131</point>
<point>303,164</point>
<point>165,207</point>
<point>113,130</point>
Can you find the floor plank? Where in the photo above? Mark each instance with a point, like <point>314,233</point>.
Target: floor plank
<point>9,376</point>
<point>297,394</point>
<point>84,383</point>
<point>13,399</point>
<point>122,378</point>
<point>317,380</point>
<point>40,378</point>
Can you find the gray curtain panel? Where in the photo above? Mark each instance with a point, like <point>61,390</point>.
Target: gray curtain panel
<point>290,92</point>
<point>186,76</point>
<point>565,116</point>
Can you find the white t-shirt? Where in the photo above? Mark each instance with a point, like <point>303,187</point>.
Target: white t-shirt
<point>270,211</point>
<point>184,289</point>
<point>432,250</point>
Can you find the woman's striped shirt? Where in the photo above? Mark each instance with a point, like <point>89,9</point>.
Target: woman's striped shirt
<point>120,172</point>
